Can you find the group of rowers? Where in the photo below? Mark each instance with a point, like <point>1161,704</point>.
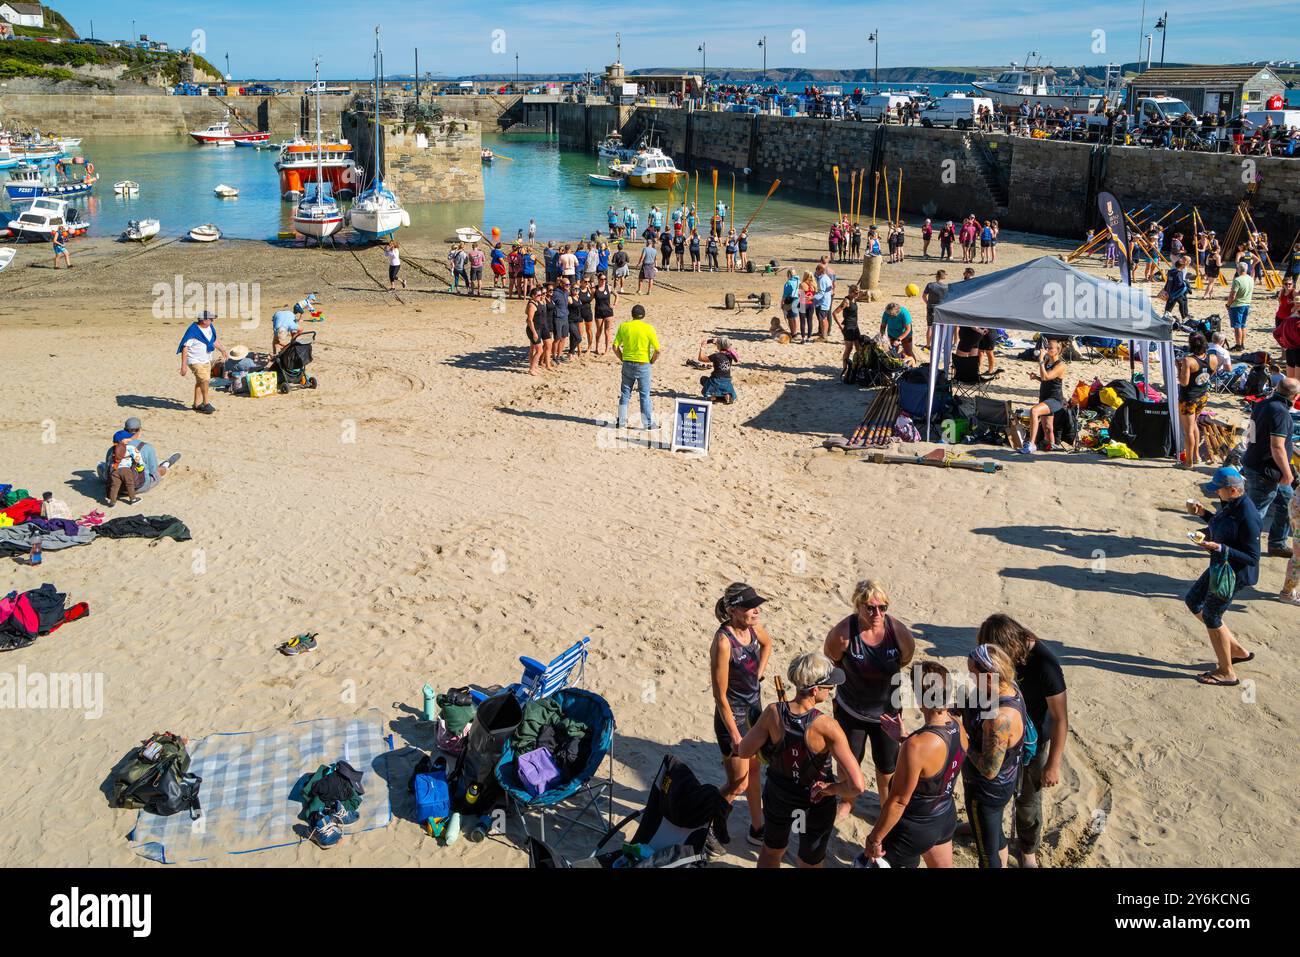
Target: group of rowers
<point>1002,730</point>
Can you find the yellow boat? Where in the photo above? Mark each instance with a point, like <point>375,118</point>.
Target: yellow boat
<point>652,169</point>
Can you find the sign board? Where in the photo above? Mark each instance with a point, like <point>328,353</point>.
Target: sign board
<point>629,89</point>
<point>692,419</point>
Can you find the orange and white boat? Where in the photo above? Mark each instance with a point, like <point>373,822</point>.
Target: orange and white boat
<point>298,165</point>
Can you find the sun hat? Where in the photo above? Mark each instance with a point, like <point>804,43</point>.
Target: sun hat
<point>239,352</point>
<point>1226,477</point>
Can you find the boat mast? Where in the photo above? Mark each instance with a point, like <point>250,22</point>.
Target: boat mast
<point>320,171</point>
<point>377,183</point>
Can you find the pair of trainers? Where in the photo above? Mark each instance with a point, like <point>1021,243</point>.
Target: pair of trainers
<point>206,408</point>
<point>327,825</point>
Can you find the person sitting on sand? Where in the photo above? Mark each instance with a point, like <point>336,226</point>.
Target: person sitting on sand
<point>872,647</point>
<point>1051,373</point>
<point>738,658</point>
<point>154,471</point>
<point>800,742</point>
<point>718,385</point>
<point>1232,536</point>
<point>918,816</point>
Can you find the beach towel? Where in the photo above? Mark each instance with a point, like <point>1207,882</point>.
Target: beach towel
<point>140,526</point>
<point>17,539</point>
<point>252,784</point>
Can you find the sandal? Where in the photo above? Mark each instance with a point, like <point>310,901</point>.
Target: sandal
<point>91,519</point>
<point>1242,661</point>
<point>1210,678</point>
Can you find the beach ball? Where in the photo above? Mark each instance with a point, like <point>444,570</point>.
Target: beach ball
<point>496,233</point>
<point>911,289</point>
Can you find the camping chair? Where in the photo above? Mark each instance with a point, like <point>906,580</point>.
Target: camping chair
<point>542,680</point>
<point>583,788</point>
<point>967,383</point>
<point>677,827</point>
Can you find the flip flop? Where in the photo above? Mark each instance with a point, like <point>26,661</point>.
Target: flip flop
<point>1210,679</point>
<point>91,519</point>
<point>1242,661</point>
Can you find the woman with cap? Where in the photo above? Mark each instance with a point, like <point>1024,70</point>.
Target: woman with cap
<point>918,818</point>
<point>738,658</point>
<point>799,743</point>
<point>997,740</point>
<point>1231,535</point>
<point>872,647</point>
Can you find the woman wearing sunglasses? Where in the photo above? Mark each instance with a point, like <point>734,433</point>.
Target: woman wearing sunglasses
<point>872,647</point>
<point>799,741</point>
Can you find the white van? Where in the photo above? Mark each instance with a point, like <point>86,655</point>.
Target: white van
<point>959,111</point>
<point>882,104</point>
<point>1285,118</point>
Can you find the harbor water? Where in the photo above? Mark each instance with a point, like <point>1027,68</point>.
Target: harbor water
<point>528,179</point>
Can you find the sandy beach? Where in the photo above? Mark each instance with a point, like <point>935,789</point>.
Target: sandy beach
<point>433,512</point>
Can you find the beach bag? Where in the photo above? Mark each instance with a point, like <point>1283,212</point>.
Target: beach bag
<point>429,786</point>
<point>1258,381</point>
<point>537,771</point>
<point>1144,427</point>
<point>1080,396</point>
<point>156,778</point>
<point>1030,747</point>
<point>1223,581</point>
<point>19,625</point>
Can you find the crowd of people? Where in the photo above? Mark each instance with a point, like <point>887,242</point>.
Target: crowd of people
<point>1001,728</point>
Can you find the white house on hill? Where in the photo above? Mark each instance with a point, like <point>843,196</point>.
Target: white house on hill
<point>22,14</point>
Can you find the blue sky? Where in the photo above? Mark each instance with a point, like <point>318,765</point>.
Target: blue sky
<point>276,39</point>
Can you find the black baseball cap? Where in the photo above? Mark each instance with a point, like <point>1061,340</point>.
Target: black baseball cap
<point>746,597</point>
<point>638,311</point>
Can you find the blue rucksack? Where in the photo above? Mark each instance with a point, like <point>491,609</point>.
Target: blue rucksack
<point>432,796</point>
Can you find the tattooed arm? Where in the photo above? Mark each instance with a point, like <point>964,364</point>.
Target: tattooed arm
<point>996,740</point>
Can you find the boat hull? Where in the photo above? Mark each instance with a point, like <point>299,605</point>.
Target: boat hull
<point>293,179</point>
<point>54,192</point>
<point>655,180</point>
<point>372,224</point>
<point>318,228</point>
<point>1074,102</point>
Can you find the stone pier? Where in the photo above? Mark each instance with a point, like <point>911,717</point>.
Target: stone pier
<point>422,161</point>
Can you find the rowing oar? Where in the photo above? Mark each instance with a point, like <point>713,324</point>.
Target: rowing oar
<point>839,213</point>
<point>771,190</point>
<point>937,462</point>
<point>503,156</point>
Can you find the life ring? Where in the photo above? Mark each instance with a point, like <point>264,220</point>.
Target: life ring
<point>90,169</point>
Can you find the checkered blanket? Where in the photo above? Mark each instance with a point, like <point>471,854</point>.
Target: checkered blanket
<point>251,781</point>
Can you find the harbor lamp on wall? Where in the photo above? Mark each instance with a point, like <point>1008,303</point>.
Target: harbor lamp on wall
<point>763,43</point>
<point>704,70</point>
<point>874,40</point>
<point>1162,25</point>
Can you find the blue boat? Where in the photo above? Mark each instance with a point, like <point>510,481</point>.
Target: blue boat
<point>25,182</point>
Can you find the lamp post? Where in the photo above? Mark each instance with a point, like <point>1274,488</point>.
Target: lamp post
<point>763,43</point>
<point>704,71</point>
<point>618,48</point>
<point>874,40</point>
<point>1162,25</point>
<point>516,72</point>
<point>1149,40</point>
<point>133,36</point>
<point>227,66</point>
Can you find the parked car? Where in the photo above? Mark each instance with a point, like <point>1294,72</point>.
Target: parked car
<point>959,111</point>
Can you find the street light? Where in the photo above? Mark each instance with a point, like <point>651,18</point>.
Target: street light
<point>1149,40</point>
<point>516,72</point>
<point>618,46</point>
<point>874,40</point>
<point>763,44</point>
<point>1161,25</point>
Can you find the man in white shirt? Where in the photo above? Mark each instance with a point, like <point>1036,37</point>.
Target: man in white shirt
<point>196,350</point>
<point>568,264</point>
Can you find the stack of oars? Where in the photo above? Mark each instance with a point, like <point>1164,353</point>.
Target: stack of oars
<point>877,426</point>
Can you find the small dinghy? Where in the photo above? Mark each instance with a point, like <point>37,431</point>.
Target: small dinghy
<point>207,233</point>
<point>126,188</point>
<point>467,234</point>
<point>6,257</point>
<point>138,230</point>
<point>596,179</point>
<point>226,192</point>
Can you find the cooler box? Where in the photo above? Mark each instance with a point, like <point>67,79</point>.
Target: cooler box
<point>262,383</point>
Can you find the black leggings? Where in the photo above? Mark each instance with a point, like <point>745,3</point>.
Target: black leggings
<point>806,317</point>
<point>713,260</point>
<point>986,824</point>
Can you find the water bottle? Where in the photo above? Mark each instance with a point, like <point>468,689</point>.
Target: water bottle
<point>429,698</point>
<point>471,796</point>
<point>452,833</point>
<point>34,556</point>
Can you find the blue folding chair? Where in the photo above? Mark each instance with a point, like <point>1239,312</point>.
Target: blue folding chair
<point>542,680</point>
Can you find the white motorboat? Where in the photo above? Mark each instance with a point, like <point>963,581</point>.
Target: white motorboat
<point>138,230</point>
<point>317,214</point>
<point>377,214</point>
<point>6,257</point>
<point>44,216</point>
<point>69,144</point>
<point>1014,86</point>
<point>467,234</point>
<point>652,169</point>
<point>226,192</point>
<point>207,233</point>
<point>126,188</point>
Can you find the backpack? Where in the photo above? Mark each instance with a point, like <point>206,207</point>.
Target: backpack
<point>1030,744</point>
<point>25,617</point>
<point>156,778</point>
<point>1259,381</point>
<point>429,786</point>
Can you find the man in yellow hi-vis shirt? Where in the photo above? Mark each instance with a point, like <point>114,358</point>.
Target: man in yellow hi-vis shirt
<point>637,345</point>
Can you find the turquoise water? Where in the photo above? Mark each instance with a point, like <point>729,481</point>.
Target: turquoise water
<point>538,181</point>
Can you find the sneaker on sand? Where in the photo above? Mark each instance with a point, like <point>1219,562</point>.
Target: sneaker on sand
<point>1028,448</point>
<point>343,815</point>
<point>298,645</point>
<point>325,830</point>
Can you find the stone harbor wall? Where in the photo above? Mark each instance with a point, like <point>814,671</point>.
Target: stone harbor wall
<point>146,115</point>
<point>1031,185</point>
<point>426,163</point>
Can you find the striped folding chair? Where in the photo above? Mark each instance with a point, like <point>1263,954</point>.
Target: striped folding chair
<point>543,680</point>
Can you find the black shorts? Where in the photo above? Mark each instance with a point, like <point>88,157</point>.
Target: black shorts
<point>884,749</point>
<point>393,271</point>
<point>560,328</point>
<point>782,801</point>
<point>476,274</point>
<point>851,334</point>
<point>544,330</point>
<point>1053,405</point>
<point>1293,357</point>
<point>532,339</point>
<point>912,837</point>
<point>987,342</point>
<point>968,340</point>
<point>744,721</point>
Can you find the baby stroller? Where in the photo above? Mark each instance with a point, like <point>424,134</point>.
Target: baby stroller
<point>683,824</point>
<point>290,363</point>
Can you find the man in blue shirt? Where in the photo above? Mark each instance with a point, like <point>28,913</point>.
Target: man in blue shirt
<point>896,323</point>
<point>790,300</point>
<point>823,299</point>
<point>284,326</point>
<point>1266,463</point>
